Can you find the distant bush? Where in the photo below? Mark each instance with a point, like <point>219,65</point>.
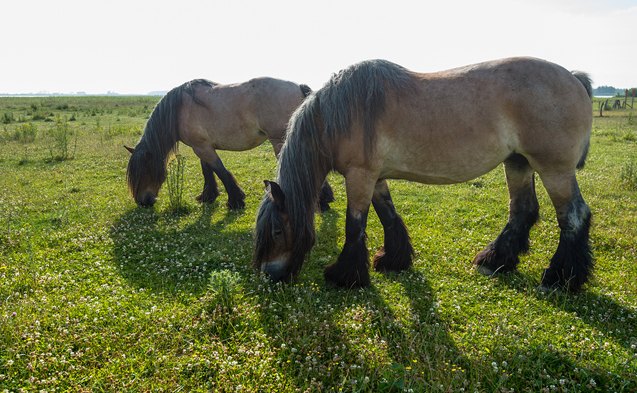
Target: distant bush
<point>7,118</point>
<point>38,116</point>
<point>25,133</point>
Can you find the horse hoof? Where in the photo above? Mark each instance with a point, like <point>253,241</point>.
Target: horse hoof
<point>392,262</point>
<point>489,262</point>
<point>236,205</point>
<point>544,290</point>
<point>346,278</point>
<point>203,198</point>
<point>379,261</point>
<point>485,271</point>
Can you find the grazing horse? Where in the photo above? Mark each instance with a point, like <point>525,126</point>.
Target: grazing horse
<point>208,117</point>
<point>377,120</point>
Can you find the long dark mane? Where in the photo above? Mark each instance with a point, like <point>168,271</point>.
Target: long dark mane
<point>355,95</point>
<point>160,136</point>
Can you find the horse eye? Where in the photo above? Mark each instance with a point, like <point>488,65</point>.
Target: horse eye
<point>276,232</point>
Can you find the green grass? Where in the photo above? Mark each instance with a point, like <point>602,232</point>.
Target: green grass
<point>98,295</point>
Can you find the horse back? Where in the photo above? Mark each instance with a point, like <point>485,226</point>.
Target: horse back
<point>461,123</point>
<point>238,116</point>
<point>274,101</point>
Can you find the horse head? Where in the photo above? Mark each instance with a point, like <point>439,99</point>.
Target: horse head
<point>144,175</point>
<point>277,252</point>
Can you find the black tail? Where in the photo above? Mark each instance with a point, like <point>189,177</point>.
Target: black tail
<point>582,161</point>
<point>586,81</point>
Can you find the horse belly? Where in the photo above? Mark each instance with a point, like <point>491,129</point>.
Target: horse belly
<point>235,139</point>
<point>446,158</point>
<point>240,141</point>
<point>439,172</point>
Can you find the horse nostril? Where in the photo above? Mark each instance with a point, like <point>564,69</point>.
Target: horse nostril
<point>275,272</point>
<point>147,201</point>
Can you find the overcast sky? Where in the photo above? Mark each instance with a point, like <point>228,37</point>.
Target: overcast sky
<point>133,46</point>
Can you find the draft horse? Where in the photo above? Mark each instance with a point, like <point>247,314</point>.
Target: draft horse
<point>208,116</point>
<point>377,120</point>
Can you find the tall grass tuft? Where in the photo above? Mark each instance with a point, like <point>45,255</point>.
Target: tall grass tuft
<point>175,183</point>
<point>62,140</point>
<point>25,133</point>
<point>7,118</point>
<point>628,175</point>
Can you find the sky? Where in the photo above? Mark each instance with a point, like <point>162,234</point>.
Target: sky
<point>139,46</point>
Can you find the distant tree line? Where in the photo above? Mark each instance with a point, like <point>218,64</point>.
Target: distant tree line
<point>607,91</point>
<point>610,91</point>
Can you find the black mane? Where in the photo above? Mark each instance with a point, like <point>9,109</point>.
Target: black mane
<point>161,135</point>
<point>354,95</point>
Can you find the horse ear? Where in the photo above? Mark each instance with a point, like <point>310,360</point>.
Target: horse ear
<point>130,149</point>
<point>275,194</point>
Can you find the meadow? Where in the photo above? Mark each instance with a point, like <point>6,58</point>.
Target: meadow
<point>97,294</point>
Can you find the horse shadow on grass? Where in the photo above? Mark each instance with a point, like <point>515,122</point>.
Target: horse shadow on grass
<point>362,339</point>
<point>600,311</point>
<point>156,251</point>
<point>390,337</point>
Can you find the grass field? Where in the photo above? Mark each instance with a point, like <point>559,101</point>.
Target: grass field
<point>99,295</point>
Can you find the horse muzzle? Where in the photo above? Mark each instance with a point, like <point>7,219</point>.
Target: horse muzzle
<point>147,201</point>
<point>276,271</point>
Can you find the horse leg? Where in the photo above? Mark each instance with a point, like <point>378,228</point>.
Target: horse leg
<point>210,191</point>
<point>502,254</point>
<point>572,262</point>
<point>325,197</point>
<point>351,269</point>
<point>397,252</point>
<point>236,196</point>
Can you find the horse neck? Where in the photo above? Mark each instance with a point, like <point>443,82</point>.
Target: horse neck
<point>302,171</point>
<point>300,206</point>
<point>302,189</point>
<point>161,133</point>
<point>161,146</point>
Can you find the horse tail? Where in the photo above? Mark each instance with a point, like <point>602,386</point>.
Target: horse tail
<point>582,160</point>
<point>586,81</point>
<point>306,90</point>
